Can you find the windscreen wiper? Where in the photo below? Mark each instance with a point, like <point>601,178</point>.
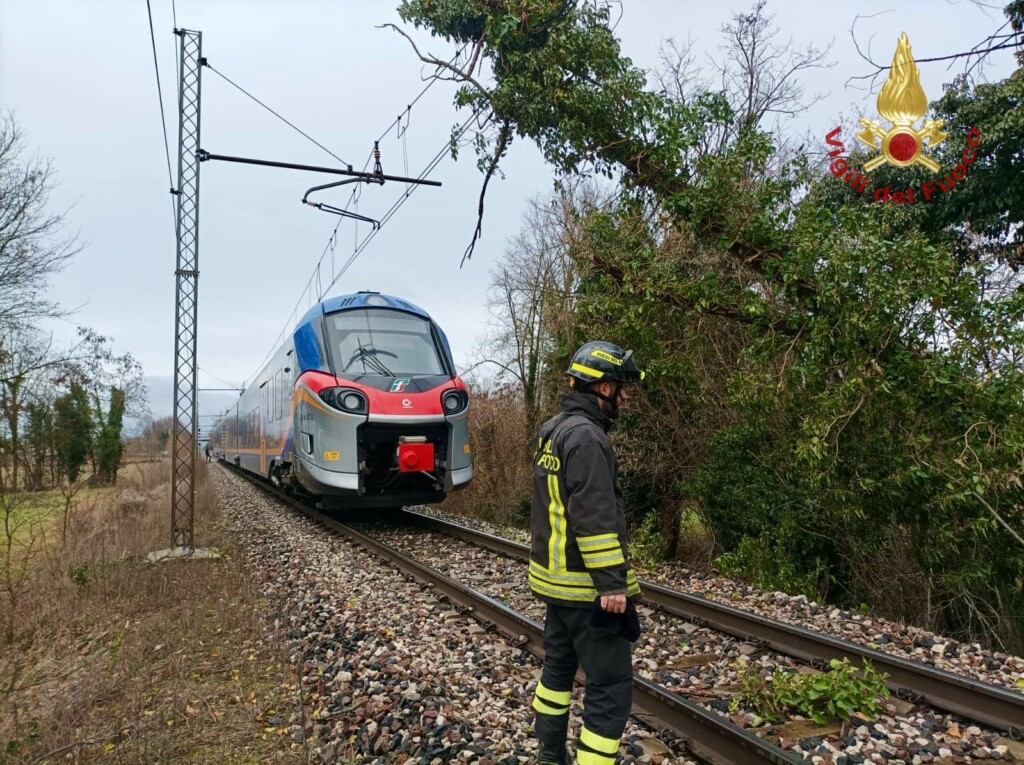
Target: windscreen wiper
<point>369,357</point>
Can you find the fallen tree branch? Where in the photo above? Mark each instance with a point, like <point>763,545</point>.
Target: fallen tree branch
<point>503,142</point>
<point>464,76</point>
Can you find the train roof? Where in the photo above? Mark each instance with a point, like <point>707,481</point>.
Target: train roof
<point>362,300</point>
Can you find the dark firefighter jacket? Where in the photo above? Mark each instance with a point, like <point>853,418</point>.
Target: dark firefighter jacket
<point>578,522</point>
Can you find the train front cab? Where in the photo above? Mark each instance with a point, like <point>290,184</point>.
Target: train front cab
<point>387,425</point>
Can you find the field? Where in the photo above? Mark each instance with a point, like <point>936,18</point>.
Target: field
<point>107,658</point>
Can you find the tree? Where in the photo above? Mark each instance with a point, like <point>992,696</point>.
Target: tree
<point>39,445</point>
<point>32,245</point>
<point>26,360</point>
<point>108,445</point>
<point>31,369</point>
<point>833,384</point>
<point>531,299</point>
<point>73,431</point>
<point>1009,36</point>
<point>757,74</point>
<point>97,368</point>
<point>992,203</point>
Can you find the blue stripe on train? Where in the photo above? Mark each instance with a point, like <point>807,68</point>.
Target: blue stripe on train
<point>306,348</point>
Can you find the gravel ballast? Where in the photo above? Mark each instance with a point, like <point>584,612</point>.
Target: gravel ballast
<point>389,672</point>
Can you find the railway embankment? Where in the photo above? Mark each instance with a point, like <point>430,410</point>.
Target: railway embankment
<point>107,658</point>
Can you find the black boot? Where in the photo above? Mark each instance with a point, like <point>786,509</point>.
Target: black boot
<point>549,757</point>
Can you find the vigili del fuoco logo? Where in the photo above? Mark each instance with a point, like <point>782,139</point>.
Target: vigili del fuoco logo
<point>902,103</point>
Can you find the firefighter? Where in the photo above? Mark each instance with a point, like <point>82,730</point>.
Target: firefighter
<point>578,560</point>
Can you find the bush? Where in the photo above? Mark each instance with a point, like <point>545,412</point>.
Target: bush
<point>839,693</point>
<point>647,547</point>
<point>760,561</point>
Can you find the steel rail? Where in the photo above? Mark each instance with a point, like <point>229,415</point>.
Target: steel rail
<point>909,680</point>
<point>708,736</point>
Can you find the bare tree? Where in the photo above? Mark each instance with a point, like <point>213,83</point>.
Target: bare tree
<point>532,295</point>
<point>33,245</point>
<point>758,74</point>
<point>96,366</point>
<point>32,371</point>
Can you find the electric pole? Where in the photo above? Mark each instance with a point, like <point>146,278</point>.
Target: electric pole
<point>183,461</point>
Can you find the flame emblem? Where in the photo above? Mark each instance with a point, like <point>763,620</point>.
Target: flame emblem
<point>902,102</point>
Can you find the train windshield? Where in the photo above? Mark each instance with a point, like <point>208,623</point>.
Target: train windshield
<point>373,341</point>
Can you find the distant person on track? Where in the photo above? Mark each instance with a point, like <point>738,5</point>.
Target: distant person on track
<point>207,452</point>
<point>579,564</point>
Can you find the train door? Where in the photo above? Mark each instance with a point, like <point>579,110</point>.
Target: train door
<point>263,415</point>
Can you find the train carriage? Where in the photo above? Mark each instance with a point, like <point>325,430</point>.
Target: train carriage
<point>361,407</point>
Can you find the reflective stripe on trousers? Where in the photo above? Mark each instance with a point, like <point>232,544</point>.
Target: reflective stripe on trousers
<point>594,749</point>
<point>570,641</point>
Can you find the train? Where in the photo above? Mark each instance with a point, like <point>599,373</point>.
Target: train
<point>361,407</point>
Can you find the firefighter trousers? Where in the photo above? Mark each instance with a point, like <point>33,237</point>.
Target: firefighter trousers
<point>570,641</point>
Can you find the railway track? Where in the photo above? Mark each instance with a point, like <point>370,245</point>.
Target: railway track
<point>707,736</point>
<point>908,680</point>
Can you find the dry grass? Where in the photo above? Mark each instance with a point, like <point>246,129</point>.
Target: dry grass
<point>502,471</point>
<point>106,658</point>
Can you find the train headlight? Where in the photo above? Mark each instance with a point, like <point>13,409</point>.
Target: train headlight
<point>454,401</point>
<point>345,399</point>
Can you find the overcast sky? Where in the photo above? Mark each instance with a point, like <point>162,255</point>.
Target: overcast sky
<point>80,79</point>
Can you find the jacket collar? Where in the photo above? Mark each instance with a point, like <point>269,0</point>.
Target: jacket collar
<point>587,406</point>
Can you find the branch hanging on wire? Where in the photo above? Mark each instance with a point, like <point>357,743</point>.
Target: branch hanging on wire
<point>501,146</point>
<point>460,75</point>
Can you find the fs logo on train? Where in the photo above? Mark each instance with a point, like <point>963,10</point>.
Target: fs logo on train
<point>902,102</point>
<point>399,385</point>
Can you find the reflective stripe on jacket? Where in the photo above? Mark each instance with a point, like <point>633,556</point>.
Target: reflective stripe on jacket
<point>578,547</point>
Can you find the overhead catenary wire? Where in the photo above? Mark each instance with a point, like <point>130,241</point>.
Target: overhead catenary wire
<point>353,198</point>
<point>163,117</point>
<point>397,121</point>
<point>400,200</point>
<point>291,125</point>
<point>218,379</point>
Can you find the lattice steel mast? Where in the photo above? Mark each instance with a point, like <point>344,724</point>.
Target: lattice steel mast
<point>183,462</point>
